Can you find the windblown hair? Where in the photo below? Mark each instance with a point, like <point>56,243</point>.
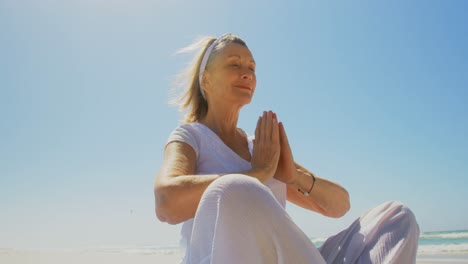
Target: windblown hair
<point>191,100</point>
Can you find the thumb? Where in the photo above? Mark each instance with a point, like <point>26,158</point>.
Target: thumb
<point>284,137</point>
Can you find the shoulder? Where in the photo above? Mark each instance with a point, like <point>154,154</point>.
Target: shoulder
<point>188,133</point>
<point>187,129</point>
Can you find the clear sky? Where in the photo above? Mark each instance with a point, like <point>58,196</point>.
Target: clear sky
<point>373,96</point>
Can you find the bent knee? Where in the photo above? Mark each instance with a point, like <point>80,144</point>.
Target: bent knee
<point>399,209</point>
<point>405,216</point>
<point>410,221</point>
<point>237,188</point>
<point>238,177</point>
<point>233,182</point>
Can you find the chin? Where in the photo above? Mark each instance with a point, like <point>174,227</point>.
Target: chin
<point>240,98</point>
<point>245,100</point>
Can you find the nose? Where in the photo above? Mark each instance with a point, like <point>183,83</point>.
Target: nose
<point>247,75</point>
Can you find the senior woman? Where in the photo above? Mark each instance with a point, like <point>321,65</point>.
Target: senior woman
<point>229,189</point>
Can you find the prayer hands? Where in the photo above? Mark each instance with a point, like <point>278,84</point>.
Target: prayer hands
<point>286,169</point>
<point>266,149</point>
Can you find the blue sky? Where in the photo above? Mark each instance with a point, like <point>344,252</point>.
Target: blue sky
<point>373,96</point>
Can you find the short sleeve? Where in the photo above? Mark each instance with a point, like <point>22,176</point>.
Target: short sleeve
<point>184,133</point>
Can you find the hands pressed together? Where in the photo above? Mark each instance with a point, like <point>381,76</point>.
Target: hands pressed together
<point>272,155</point>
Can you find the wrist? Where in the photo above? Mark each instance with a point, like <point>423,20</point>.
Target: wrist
<point>305,182</point>
<point>259,174</point>
<point>299,179</point>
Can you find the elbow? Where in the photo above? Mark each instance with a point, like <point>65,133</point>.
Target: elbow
<point>166,216</point>
<point>159,202</point>
<point>341,208</point>
<point>337,213</point>
<point>161,212</point>
<point>163,206</point>
<point>345,205</point>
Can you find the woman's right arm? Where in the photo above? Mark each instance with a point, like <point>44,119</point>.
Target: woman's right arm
<point>177,190</point>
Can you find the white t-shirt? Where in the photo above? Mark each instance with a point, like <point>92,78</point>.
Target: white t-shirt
<point>215,157</point>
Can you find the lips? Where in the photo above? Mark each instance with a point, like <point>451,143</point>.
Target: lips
<point>244,87</point>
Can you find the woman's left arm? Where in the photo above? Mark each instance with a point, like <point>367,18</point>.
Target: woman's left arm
<point>325,197</point>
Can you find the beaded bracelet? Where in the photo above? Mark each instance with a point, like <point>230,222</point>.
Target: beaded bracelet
<point>313,183</point>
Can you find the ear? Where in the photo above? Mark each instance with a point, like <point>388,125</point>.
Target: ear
<point>206,82</point>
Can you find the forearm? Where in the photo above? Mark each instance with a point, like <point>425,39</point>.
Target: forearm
<point>330,198</point>
<point>177,197</point>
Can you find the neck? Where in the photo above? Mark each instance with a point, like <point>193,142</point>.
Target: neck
<point>222,120</point>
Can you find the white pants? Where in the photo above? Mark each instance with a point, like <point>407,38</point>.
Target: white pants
<point>239,220</point>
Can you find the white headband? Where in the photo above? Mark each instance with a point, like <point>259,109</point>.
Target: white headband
<point>205,61</point>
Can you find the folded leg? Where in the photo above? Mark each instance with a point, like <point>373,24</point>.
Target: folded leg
<point>240,221</point>
<point>388,233</point>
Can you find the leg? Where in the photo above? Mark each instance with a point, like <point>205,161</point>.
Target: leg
<point>240,221</point>
<point>388,233</point>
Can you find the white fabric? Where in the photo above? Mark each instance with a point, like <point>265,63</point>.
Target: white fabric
<point>388,233</point>
<point>240,220</point>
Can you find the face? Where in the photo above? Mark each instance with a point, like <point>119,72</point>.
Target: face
<point>230,77</point>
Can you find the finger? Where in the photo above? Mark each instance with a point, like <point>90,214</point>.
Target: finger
<point>275,132</point>
<point>269,126</point>
<point>282,133</point>
<point>257,129</point>
<point>283,136</point>
<point>264,126</point>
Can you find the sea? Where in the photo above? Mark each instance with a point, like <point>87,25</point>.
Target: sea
<point>445,242</point>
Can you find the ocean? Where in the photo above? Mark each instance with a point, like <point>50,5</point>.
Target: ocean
<point>445,242</point>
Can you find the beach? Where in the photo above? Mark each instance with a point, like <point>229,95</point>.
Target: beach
<point>434,248</point>
<point>11,256</point>
<point>442,258</point>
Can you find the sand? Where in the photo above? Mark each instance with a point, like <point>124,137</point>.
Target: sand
<point>79,257</point>
<point>442,258</point>
<point>11,256</point>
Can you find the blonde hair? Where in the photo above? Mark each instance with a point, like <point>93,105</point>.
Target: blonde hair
<point>192,99</point>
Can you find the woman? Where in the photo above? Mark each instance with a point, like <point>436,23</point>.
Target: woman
<point>230,190</point>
